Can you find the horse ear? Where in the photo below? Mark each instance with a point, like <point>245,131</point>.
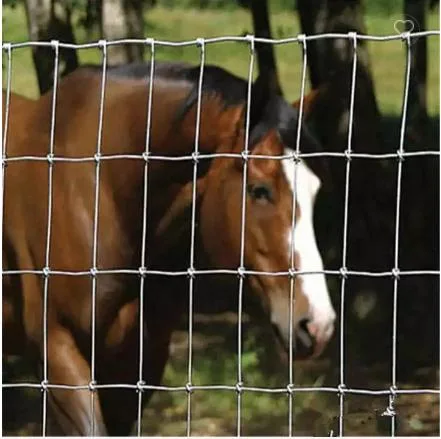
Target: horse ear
<point>309,101</point>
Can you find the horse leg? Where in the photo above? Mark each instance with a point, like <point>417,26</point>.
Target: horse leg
<point>71,408</point>
<point>120,406</point>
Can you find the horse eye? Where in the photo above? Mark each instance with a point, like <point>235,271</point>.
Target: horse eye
<point>260,192</point>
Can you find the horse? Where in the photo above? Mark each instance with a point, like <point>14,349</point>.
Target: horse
<point>111,290</point>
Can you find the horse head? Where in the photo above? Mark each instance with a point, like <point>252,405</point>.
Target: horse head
<point>270,233</point>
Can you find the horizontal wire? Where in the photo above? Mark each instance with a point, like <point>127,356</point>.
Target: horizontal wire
<point>222,387</point>
<point>199,156</point>
<point>239,271</point>
<point>224,39</point>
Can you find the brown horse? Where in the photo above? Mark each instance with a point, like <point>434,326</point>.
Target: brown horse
<point>115,280</point>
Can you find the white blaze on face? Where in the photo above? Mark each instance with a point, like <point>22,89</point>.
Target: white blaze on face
<point>322,314</point>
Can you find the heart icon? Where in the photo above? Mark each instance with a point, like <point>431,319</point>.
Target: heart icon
<point>402,26</point>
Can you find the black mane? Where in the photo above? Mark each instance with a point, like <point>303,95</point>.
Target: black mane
<point>267,111</point>
<point>231,88</point>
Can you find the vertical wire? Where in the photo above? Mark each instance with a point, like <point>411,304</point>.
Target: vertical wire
<point>343,269</point>
<point>144,237</point>
<point>301,40</point>
<point>390,410</point>
<point>201,44</point>
<point>46,270</point>
<point>93,271</point>
<point>8,50</point>
<point>241,268</point>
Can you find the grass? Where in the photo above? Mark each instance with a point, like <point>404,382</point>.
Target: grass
<point>215,412</point>
<point>387,58</point>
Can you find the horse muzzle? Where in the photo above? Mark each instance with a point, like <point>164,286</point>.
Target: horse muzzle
<point>309,339</point>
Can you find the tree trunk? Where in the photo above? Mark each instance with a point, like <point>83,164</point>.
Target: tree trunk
<point>38,14</point>
<point>417,104</point>
<point>330,62</point>
<point>123,19</point>
<point>312,15</point>
<point>265,52</point>
<point>92,20</point>
<point>62,28</point>
<point>50,20</point>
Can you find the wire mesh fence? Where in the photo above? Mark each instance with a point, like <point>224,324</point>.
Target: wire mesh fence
<point>192,272</point>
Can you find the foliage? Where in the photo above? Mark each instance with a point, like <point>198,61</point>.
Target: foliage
<point>372,6</point>
<point>181,24</point>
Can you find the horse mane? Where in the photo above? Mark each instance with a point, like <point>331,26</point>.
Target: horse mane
<point>217,81</point>
<point>268,110</point>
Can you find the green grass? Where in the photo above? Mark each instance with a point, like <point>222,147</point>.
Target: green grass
<point>387,58</point>
<point>215,412</point>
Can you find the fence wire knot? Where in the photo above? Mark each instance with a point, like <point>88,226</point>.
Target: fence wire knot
<point>7,47</point>
<point>46,271</point>
<point>4,161</point>
<point>93,271</point>
<point>50,158</point>
<point>142,271</point>
<point>150,42</point>
<point>191,272</point>
<point>344,272</point>
<point>195,156</point>
<point>406,36</point>
<point>290,389</point>
<point>239,387</point>
<point>390,409</point>
<point>393,391</point>
<point>200,42</point>
<point>396,273</point>
<point>97,157</point>
<point>245,155</point>
<point>241,272</point>
<point>353,36</point>
<point>140,386</point>
<point>92,386</point>
<point>400,156</point>
<point>189,388</point>
<point>342,389</point>
<point>44,385</point>
<point>146,156</point>
<point>292,273</point>
<point>348,155</point>
<point>250,39</point>
<point>301,39</point>
<point>295,157</point>
<point>55,44</point>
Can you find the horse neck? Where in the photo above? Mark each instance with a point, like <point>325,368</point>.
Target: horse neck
<point>215,129</point>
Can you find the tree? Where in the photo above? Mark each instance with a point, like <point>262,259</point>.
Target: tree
<point>50,20</point>
<point>265,52</point>
<point>417,106</point>
<point>123,19</point>
<point>92,17</point>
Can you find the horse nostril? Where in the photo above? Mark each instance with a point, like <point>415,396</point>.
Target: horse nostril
<point>303,335</point>
<point>303,323</point>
